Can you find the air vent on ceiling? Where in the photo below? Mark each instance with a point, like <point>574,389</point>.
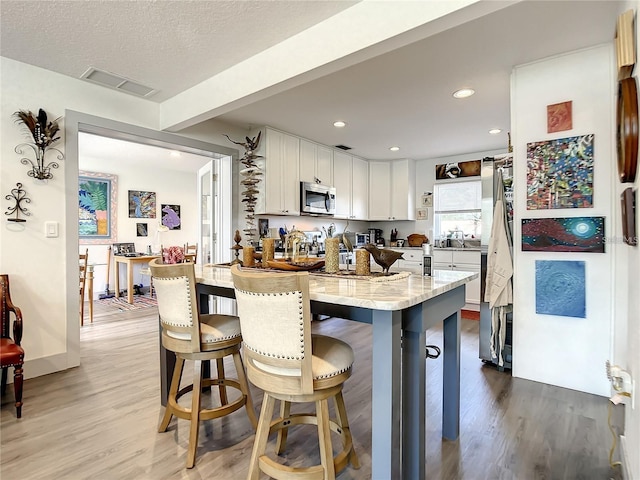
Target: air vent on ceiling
<point>343,147</point>
<point>117,82</point>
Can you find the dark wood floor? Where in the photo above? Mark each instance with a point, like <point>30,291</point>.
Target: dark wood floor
<point>98,421</point>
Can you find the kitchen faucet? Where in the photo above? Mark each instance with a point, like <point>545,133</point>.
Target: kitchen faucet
<point>454,234</point>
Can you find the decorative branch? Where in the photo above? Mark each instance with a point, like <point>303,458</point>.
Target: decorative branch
<point>251,174</point>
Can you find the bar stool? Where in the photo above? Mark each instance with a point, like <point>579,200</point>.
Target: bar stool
<point>199,338</point>
<point>291,365</point>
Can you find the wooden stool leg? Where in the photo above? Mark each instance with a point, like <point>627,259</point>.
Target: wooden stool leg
<point>196,395</point>
<point>285,410</point>
<point>173,391</point>
<point>324,438</point>
<point>221,388</point>
<point>341,414</point>
<point>262,435</point>
<point>244,387</point>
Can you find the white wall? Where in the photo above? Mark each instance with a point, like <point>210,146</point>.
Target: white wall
<point>171,187</point>
<point>564,351</point>
<point>35,264</point>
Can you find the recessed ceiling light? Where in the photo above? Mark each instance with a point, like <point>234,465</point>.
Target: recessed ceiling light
<point>394,149</point>
<point>339,124</point>
<point>175,153</point>
<point>463,93</point>
<point>494,131</point>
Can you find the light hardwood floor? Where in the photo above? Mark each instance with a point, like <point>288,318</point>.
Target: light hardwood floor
<point>99,421</point>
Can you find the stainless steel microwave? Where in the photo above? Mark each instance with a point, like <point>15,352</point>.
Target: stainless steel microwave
<point>317,199</point>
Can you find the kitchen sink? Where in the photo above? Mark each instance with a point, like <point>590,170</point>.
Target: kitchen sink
<point>467,243</point>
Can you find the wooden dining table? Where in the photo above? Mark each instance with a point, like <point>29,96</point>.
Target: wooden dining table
<point>399,312</point>
<point>130,262</point>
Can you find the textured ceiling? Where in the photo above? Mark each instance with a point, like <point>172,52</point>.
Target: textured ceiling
<point>401,98</point>
<point>167,45</point>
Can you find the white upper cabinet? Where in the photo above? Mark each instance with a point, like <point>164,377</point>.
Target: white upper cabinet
<point>392,190</point>
<point>351,180</point>
<point>280,188</point>
<point>316,163</point>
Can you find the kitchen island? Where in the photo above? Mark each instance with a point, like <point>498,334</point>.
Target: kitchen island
<point>400,312</point>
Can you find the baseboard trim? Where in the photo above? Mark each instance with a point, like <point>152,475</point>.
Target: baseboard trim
<point>42,366</point>
<point>624,459</point>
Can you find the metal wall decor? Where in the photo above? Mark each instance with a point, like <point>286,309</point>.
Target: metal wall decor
<point>251,177</point>
<point>44,134</point>
<point>19,196</point>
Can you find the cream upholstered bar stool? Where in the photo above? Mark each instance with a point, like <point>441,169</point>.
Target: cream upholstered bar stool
<point>291,365</point>
<point>196,337</point>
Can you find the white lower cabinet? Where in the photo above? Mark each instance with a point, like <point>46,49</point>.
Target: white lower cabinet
<point>411,260</point>
<point>463,261</point>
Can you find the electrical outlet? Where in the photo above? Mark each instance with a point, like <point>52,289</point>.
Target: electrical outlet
<point>621,383</point>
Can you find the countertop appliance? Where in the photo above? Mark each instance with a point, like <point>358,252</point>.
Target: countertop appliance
<point>375,236</point>
<point>489,177</point>
<point>362,239</point>
<point>317,199</point>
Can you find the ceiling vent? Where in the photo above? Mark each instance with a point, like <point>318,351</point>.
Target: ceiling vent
<point>117,82</point>
<point>343,147</point>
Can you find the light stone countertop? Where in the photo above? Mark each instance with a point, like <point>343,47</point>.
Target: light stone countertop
<point>390,295</point>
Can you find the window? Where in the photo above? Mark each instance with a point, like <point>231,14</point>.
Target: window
<point>457,209</point>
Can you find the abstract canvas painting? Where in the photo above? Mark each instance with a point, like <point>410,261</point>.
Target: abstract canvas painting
<point>171,216</point>
<point>560,288</point>
<point>458,169</point>
<point>559,117</point>
<point>575,234</point>
<point>142,204</point>
<point>560,173</point>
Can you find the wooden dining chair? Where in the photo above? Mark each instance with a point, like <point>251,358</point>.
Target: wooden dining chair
<point>198,338</point>
<point>191,250</point>
<point>84,273</point>
<point>11,353</point>
<point>291,365</point>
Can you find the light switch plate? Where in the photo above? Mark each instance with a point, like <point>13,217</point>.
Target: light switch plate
<point>51,229</point>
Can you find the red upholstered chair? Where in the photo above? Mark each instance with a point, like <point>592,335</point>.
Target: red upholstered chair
<point>11,353</point>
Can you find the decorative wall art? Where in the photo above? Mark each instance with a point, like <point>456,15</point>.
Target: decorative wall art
<point>421,214</point>
<point>251,176</point>
<point>142,204</point>
<point>445,171</point>
<point>560,173</point>
<point>560,288</point>
<point>18,196</point>
<point>427,200</point>
<point>629,233</point>
<point>627,129</point>
<point>171,216</point>
<point>142,230</point>
<point>559,117</point>
<point>575,234</point>
<point>97,212</point>
<point>43,133</point>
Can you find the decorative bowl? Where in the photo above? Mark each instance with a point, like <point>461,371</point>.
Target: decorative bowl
<point>307,263</point>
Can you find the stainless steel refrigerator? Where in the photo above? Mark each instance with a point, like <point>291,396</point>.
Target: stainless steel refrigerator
<point>491,167</point>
